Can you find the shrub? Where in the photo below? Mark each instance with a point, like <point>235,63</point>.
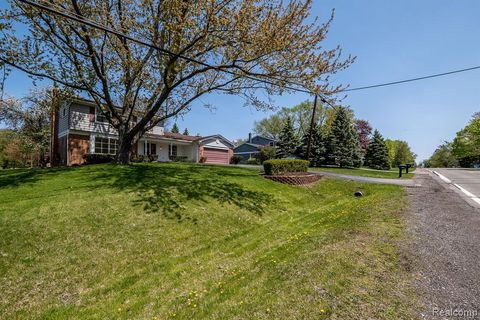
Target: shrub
<point>267,153</point>
<point>203,159</point>
<point>137,158</point>
<point>179,159</point>
<point>280,166</point>
<point>235,159</point>
<point>252,161</point>
<point>94,158</point>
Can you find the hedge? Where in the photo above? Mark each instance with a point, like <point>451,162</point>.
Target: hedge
<point>95,158</point>
<point>280,166</point>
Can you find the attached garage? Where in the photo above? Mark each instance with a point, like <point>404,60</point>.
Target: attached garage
<point>215,149</point>
<point>216,155</point>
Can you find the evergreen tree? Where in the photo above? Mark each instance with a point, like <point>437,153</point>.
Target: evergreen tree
<point>175,128</point>
<point>343,146</point>
<point>377,153</point>
<point>288,142</point>
<point>185,132</point>
<point>317,146</point>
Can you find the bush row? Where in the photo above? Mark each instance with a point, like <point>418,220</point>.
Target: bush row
<point>280,166</point>
<point>95,158</point>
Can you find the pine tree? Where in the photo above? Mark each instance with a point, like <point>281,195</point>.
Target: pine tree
<point>377,153</point>
<point>288,142</point>
<point>175,128</point>
<point>343,146</point>
<point>185,132</point>
<point>317,146</point>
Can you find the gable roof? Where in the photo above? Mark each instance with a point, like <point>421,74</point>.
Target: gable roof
<point>217,136</point>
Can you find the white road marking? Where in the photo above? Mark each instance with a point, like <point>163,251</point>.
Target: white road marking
<point>465,191</point>
<point>445,179</point>
<point>468,193</point>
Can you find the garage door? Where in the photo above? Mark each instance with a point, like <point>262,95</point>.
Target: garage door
<point>216,155</point>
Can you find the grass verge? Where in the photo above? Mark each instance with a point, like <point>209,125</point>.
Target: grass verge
<point>187,241</point>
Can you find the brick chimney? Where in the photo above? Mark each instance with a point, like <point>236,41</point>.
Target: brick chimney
<point>249,137</point>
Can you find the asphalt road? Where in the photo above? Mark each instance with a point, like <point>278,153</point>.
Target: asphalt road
<point>465,181</point>
<point>444,231</point>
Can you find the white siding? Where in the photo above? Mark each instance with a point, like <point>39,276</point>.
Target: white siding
<point>80,120</point>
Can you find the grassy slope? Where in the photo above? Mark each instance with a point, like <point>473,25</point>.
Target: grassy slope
<point>150,241</point>
<point>366,172</point>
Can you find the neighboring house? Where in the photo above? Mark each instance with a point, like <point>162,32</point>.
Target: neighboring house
<point>251,148</point>
<point>78,128</point>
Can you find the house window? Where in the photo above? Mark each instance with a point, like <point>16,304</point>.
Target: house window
<point>64,112</point>
<point>99,117</point>
<point>173,150</point>
<point>151,149</point>
<point>271,144</point>
<point>106,145</point>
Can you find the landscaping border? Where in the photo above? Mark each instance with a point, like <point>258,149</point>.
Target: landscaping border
<point>297,178</point>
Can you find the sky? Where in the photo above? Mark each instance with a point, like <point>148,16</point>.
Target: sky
<point>392,40</point>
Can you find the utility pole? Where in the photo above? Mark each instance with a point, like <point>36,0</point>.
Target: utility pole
<point>312,123</point>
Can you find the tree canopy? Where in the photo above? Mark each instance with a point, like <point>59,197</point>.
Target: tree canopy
<point>153,58</point>
<point>300,116</point>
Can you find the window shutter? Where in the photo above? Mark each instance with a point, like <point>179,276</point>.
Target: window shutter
<point>91,114</point>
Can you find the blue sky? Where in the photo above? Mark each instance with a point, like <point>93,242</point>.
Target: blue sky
<point>392,40</point>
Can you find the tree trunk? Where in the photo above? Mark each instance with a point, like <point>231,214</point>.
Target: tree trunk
<point>124,147</point>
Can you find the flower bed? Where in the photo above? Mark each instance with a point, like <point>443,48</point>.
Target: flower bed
<point>295,178</point>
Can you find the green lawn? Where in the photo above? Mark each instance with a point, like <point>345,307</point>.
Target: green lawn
<point>367,172</point>
<point>184,241</point>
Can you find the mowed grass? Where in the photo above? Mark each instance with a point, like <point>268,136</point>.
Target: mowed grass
<point>367,172</point>
<point>184,241</point>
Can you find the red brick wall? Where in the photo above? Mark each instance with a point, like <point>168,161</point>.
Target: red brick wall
<point>77,147</point>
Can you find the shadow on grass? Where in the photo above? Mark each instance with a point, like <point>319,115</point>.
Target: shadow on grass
<point>18,177</point>
<point>166,188</point>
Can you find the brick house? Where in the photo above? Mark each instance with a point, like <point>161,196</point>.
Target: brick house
<point>78,128</point>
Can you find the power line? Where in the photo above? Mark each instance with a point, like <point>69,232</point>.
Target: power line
<point>411,80</point>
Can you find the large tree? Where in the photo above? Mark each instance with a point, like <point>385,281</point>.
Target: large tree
<point>343,147</point>
<point>443,157</point>
<point>399,152</point>
<point>364,132</point>
<point>288,141</point>
<point>376,156</point>
<point>467,140</point>
<point>195,47</point>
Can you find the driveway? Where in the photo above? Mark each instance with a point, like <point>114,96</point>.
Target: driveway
<point>399,182</point>
<point>444,233</point>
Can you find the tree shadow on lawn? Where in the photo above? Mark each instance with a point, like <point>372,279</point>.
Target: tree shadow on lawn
<point>17,177</point>
<point>165,188</point>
